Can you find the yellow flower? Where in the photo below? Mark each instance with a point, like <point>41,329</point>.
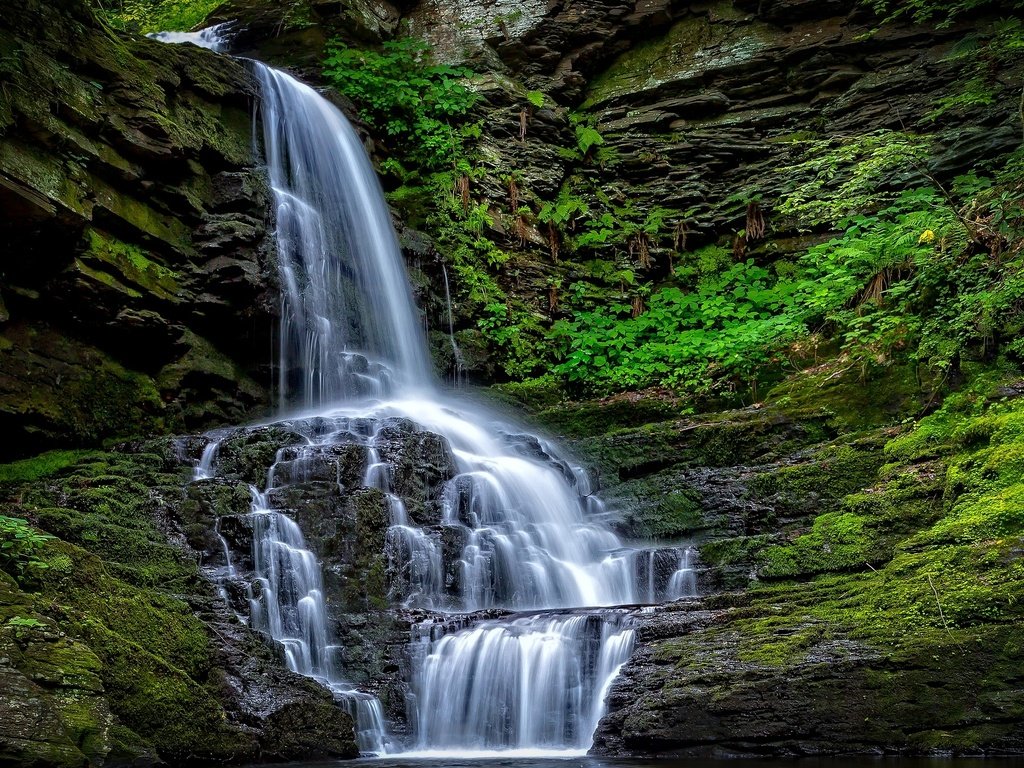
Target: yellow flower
<point>926,237</point>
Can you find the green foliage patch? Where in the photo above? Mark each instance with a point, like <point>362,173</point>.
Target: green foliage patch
<point>404,95</point>
<point>20,547</point>
<point>145,16</point>
<point>942,12</point>
<point>928,275</point>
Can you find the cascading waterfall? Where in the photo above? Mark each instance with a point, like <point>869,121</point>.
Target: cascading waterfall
<point>518,527</point>
<point>536,682</point>
<point>349,327</point>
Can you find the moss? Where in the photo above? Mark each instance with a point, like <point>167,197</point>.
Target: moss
<point>780,645</point>
<point>590,419</point>
<point>131,263</point>
<point>831,473</point>
<point>837,541</point>
<point>372,516</point>
<point>663,506</point>
<point>146,221</point>
<point>47,174</point>
<point>738,550</point>
<point>651,63</point>
<point>248,455</point>
<point>110,583</point>
<point>850,403</point>
<point>111,401</point>
<point>41,466</point>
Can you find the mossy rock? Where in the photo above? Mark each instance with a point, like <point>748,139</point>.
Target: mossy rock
<point>250,453</point>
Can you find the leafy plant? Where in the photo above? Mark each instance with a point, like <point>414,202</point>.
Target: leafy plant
<point>145,16</point>
<point>401,92</point>
<point>20,544</point>
<point>982,58</point>
<point>22,626</point>
<point>942,12</point>
<point>587,138</point>
<point>838,177</point>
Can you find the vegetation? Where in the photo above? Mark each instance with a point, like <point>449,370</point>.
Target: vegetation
<point>931,275</point>
<point>145,16</point>
<point>945,12</point>
<point>86,555</point>
<point>426,115</point>
<point>413,102</point>
<point>20,544</point>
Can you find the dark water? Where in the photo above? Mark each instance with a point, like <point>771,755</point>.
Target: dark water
<point>398,761</point>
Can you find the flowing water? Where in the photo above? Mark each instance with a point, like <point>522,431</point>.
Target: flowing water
<point>519,527</point>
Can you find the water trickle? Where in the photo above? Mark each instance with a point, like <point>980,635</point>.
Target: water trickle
<point>214,38</point>
<point>458,362</point>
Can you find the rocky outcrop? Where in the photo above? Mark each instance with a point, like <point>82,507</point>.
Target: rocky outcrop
<point>137,281</point>
<point>840,614</point>
<point>700,685</point>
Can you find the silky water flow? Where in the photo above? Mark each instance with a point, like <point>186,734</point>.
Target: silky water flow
<point>353,360</point>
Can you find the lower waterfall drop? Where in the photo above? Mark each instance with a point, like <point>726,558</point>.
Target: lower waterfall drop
<point>529,683</point>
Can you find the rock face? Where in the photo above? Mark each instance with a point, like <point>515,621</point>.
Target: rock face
<point>696,688</point>
<point>701,108</point>
<point>138,280</point>
<point>346,521</point>
<point>833,621</point>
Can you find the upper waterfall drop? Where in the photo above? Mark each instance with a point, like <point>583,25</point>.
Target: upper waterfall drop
<point>352,347</point>
<point>349,327</point>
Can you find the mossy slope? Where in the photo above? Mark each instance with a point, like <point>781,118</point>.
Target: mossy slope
<point>112,640</point>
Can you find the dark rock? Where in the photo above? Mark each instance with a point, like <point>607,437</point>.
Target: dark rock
<point>119,191</point>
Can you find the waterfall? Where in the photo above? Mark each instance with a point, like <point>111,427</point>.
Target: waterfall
<point>517,526</point>
<point>349,328</point>
<point>534,682</point>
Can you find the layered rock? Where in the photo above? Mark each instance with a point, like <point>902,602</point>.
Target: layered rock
<point>137,286</point>
<point>850,607</point>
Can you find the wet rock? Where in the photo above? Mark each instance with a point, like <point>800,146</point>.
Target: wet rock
<point>249,454</point>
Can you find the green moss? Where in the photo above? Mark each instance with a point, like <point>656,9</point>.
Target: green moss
<point>110,582</point>
<point>111,402</point>
<point>653,62</point>
<point>44,465</point>
<point>372,515</point>
<point>591,419</point>
<point>837,541</point>
<point>145,220</point>
<point>131,264</point>
<point>780,644</point>
<point>45,173</point>
<point>851,403</point>
<point>739,550</point>
<point>832,473</point>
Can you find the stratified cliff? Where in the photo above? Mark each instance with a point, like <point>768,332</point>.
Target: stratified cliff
<point>137,280</point>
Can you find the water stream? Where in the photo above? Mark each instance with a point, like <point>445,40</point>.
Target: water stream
<point>518,526</point>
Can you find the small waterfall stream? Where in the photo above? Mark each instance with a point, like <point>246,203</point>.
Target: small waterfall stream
<point>518,527</point>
